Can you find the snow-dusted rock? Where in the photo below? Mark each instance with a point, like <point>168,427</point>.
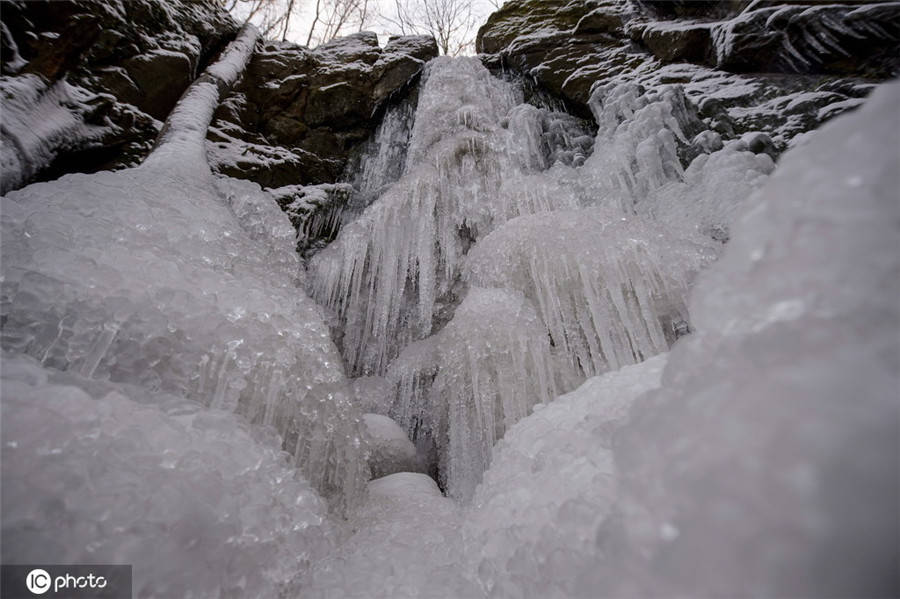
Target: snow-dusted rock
<point>92,79</point>
<point>714,49</point>
<point>300,113</point>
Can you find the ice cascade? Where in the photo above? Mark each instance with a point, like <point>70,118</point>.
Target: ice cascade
<point>599,237</point>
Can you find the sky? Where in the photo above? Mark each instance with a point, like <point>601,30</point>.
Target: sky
<point>302,19</point>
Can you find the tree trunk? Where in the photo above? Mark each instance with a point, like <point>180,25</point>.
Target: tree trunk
<point>183,135</point>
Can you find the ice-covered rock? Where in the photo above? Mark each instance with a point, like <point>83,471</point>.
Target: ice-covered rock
<point>201,503</point>
<point>199,298</point>
<point>390,449</point>
<point>408,544</point>
<point>533,525</point>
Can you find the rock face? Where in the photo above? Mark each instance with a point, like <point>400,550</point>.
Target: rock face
<point>777,67</point>
<point>85,83</point>
<point>299,113</point>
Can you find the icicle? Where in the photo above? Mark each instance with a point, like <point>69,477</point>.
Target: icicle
<point>384,273</point>
<point>604,288</point>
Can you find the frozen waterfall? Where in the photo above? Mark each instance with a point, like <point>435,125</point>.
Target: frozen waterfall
<point>600,238</point>
<point>611,399</point>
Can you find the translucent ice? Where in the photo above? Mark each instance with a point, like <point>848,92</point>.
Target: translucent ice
<point>610,291</point>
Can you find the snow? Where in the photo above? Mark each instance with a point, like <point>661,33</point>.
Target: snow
<point>183,137</point>
<point>769,450</point>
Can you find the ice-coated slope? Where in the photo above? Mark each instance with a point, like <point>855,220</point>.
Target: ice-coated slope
<point>532,527</point>
<point>155,277</point>
<point>201,503</point>
<point>407,544</point>
<point>766,463</point>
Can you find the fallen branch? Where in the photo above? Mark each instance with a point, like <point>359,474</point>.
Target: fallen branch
<point>184,133</point>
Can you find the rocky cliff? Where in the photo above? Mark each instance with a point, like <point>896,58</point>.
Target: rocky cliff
<point>86,85</point>
<point>781,68</point>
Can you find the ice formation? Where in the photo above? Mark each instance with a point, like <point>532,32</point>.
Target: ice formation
<point>457,392</point>
<point>610,291</point>
<point>533,525</point>
<point>602,235</point>
<point>166,278</point>
<point>765,464</point>
<point>390,449</point>
<point>157,278</point>
<point>390,270</point>
<point>202,504</point>
<point>161,354</point>
<point>408,544</point>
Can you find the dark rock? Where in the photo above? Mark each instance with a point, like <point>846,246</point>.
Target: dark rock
<point>317,106</point>
<point>679,42</point>
<point>160,77</point>
<point>103,72</point>
<point>422,47</point>
<point>782,67</point>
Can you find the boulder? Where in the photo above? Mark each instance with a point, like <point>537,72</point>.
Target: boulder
<point>87,82</point>
<point>392,451</point>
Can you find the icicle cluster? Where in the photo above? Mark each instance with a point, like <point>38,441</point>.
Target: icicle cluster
<point>387,272</point>
<point>603,241</point>
<point>610,291</point>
